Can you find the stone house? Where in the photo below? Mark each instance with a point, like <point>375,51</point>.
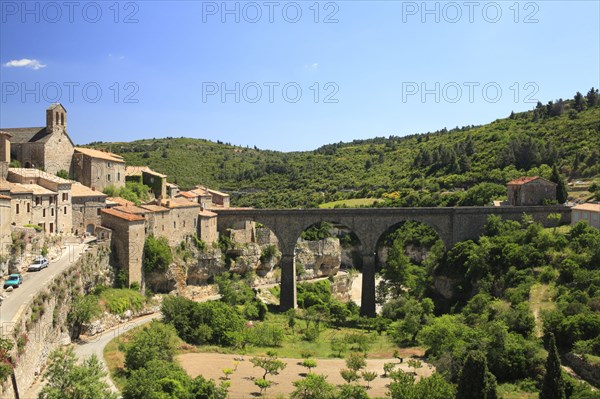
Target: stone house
<point>5,218</point>
<point>198,195</point>
<point>127,241</point>
<point>98,169</point>
<point>4,154</point>
<point>182,219</point>
<point>207,226</point>
<point>52,208</point>
<point>21,199</point>
<point>48,148</point>
<point>143,174</point>
<point>526,191</point>
<point>87,207</point>
<point>219,199</point>
<point>589,213</point>
<point>172,190</point>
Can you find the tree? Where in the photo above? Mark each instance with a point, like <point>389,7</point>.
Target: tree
<point>553,386</point>
<point>352,391</point>
<point>561,188</point>
<point>313,386</point>
<point>83,310</point>
<point>68,380</point>
<point>309,364</point>
<point>339,346</point>
<point>356,361</point>
<point>369,376</point>
<point>434,387</point>
<point>158,341</point>
<point>6,369</point>
<point>388,368</point>
<point>262,384</point>
<point>157,254</point>
<point>475,381</point>
<point>415,364</point>
<point>63,174</point>
<point>270,364</point>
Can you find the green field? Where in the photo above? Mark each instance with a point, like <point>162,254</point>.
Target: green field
<point>350,203</point>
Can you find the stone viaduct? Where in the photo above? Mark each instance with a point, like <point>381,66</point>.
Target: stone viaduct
<point>369,224</point>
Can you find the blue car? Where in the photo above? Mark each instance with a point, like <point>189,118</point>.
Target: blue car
<point>14,280</point>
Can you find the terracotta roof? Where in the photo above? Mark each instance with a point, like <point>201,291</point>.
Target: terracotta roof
<point>14,188</point>
<point>109,156</point>
<point>3,133</point>
<point>187,194</point>
<point>138,170</point>
<point>220,193</point>
<point>130,217</point>
<point>526,179</point>
<point>207,214</point>
<point>79,190</point>
<point>4,197</point>
<point>131,209</point>
<point>588,207</point>
<point>177,203</point>
<point>36,173</point>
<point>39,190</point>
<point>155,208</point>
<point>119,200</point>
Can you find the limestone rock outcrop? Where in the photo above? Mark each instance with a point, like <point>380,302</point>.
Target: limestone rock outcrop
<point>319,258</point>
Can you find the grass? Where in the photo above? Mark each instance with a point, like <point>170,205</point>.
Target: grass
<point>540,298</point>
<point>117,301</point>
<point>511,391</point>
<point>293,345</point>
<point>350,203</point>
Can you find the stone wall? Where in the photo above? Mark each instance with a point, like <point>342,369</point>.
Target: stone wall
<point>86,214</point>
<point>42,324</point>
<point>58,151</point>
<point>587,371</point>
<point>318,258</point>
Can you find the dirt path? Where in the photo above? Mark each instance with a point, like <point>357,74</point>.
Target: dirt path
<point>539,299</point>
<point>242,385</point>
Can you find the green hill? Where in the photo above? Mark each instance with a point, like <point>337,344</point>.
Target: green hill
<point>461,166</point>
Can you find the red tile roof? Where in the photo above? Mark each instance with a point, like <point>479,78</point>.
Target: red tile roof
<point>523,180</point>
<point>130,217</point>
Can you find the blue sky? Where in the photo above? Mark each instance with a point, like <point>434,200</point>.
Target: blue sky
<point>362,67</point>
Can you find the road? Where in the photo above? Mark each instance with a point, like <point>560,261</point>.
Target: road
<point>33,282</point>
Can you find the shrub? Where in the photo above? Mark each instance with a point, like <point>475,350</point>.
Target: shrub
<point>268,253</point>
<point>157,341</point>
<point>266,335</point>
<point>117,301</point>
<point>157,254</point>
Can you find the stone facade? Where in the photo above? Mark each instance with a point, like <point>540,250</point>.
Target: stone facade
<point>49,148</point>
<point>528,191</point>
<point>5,218</point>
<point>98,169</point>
<point>182,220</point>
<point>207,226</point>
<point>51,205</point>
<point>87,207</point>
<point>127,242</point>
<point>4,154</point>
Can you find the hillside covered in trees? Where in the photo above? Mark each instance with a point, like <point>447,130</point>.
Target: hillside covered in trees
<point>459,166</point>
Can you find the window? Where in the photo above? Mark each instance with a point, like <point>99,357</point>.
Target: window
<point>118,176</point>
<point>38,201</point>
<point>65,196</point>
<point>51,199</point>
<point>62,119</point>
<point>65,210</point>
<point>43,213</point>
<point>28,207</point>
<point>51,211</point>
<point>108,177</point>
<point>98,211</point>
<point>184,223</point>
<point>174,225</point>
<point>109,165</point>
<point>17,209</point>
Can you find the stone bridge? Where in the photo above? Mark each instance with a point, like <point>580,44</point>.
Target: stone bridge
<point>370,224</point>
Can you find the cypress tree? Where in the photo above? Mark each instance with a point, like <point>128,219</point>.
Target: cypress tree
<point>561,188</point>
<point>475,381</point>
<point>553,386</point>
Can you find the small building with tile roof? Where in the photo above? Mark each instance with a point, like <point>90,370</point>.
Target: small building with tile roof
<point>98,169</point>
<point>588,212</point>
<point>143,174</point>
<point>87,207</point>
<point>530,190</point>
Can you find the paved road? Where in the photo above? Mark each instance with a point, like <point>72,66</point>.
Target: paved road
<point>33,282</point>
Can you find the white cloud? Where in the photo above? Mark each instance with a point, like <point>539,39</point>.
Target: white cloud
<point>25,63</point>
<point>313,67</point>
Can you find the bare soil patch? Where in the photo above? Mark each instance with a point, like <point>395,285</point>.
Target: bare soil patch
<point>210,365</point>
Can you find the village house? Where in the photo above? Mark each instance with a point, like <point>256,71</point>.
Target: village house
<point>144,175</point>
<point>98,169</point>
<point>87,207</point>
<point>4,154</point>
<point>56,198</point>
<point>588,212</point>
<point>526,191</point>
<point>48,148</point>
<point>5,218</point>
<point>172,190</point>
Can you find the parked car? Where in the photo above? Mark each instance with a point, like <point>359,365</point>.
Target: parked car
<point>14,280</point>
<point>38,264</point>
